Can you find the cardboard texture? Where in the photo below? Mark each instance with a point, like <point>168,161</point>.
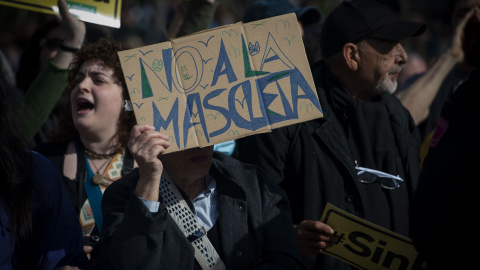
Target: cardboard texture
<point>223,84</point>
<point>365,245</point>
<point>103,12</point>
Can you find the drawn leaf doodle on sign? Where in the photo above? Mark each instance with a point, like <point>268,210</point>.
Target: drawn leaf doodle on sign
<point>289,40</point>
<point>157,65</point>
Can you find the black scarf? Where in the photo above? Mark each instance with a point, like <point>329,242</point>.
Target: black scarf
<point>367,126</point>
<point>371,141</point>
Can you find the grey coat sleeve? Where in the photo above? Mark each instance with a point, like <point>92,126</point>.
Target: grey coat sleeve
<point>135,238</point>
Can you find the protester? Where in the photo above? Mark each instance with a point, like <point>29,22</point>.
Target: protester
<point>99,130</point>
<point>445,189</point>
<point>206,199</point>
<point>43,72</point>
<point>364,126</point>
<point>424,94</point>
<point>89,148</point>
<point>38,228</point>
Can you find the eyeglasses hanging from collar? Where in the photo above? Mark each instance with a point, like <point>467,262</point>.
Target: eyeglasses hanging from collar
<point>368,176</point>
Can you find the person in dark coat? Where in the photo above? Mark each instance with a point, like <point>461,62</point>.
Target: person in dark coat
<point>38,225</point>
<point>446,191</point>
<point>194,209</point>
<point>364,128</point>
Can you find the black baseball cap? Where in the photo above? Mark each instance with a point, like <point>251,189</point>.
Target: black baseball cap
<point>355,20</point>
<point>262,9</point>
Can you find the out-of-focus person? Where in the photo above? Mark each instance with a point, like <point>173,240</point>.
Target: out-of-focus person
<point>445,190</point>
<point>38,225</point>
<point>42,74</point>
<point>363,155</point>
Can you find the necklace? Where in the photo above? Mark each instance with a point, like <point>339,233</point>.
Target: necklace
<point>100,156</point>
<point>98,178</point>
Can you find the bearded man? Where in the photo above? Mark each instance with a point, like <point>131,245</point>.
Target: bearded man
<point>365,131</point>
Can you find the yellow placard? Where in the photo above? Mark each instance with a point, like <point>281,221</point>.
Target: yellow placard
<point>365,245</point>
<point>224,83</point>
<point>103,12</point>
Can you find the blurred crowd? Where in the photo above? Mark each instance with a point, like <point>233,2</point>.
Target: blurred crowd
<point>142,22</point>
<point>397,83</point>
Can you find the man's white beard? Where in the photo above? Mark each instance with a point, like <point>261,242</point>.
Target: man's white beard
<point>386,85</point>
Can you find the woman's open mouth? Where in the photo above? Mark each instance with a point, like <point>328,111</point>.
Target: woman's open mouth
<point>84,106</point>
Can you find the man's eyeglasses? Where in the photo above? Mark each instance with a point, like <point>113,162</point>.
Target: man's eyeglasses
<point>50,43</point>
<point>368,176</point>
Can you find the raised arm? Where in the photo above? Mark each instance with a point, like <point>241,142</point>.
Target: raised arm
<point>418,97</point>
<point>49,85</point>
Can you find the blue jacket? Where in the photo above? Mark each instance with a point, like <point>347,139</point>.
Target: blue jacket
<point>57,237</point>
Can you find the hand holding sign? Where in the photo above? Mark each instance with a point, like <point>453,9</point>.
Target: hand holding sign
<point>314,237</point>
<point>74,28</point>
<point>75,34</point>
<point>365,245</point>
<point>146,144</point>
<point>103,12</point>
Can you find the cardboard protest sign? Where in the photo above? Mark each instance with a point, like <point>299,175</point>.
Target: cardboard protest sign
<point>367,246</point>
<point>103,12</point>
<point>222,84</point>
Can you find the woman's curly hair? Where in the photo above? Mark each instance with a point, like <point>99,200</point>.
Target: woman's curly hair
<point>104,50</point>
